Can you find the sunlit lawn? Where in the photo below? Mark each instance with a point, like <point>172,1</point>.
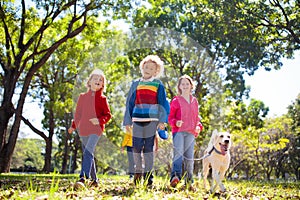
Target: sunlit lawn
<point>55,186</point>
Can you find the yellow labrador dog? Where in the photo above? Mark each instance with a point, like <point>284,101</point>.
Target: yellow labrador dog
<point>217,157</point>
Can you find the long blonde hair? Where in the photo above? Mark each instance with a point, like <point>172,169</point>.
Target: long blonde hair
<point>185,77</point>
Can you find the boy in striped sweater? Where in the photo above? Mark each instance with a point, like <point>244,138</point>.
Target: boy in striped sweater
<point>146,110</point>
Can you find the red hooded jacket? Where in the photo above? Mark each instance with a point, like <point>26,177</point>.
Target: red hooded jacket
<point>91,105</point>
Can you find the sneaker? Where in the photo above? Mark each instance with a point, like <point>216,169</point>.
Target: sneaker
<point>131,177</point>
<point>191,188</point>
<point>79,185</point>
<point>174,181</point>
<point>94,183</point>
<point>82,180</point>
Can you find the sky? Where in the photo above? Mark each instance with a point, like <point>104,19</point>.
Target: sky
<point>277,88</point>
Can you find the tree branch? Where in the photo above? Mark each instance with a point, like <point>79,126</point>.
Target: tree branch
<point>29,124</point>
<point>22,30</point>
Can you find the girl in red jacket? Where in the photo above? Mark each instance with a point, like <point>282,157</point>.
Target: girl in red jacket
<point>185,122</point>
<point>92,113</point>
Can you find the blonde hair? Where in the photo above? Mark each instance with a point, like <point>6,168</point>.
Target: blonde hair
<point>97,72</point>
<point>155,59</point>
<point>185,77</point>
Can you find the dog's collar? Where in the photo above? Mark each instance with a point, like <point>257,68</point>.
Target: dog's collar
<point>217,151</point>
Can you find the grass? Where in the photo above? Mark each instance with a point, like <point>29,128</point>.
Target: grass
<point>56,186</point>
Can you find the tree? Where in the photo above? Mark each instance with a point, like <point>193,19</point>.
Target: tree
<point>294,150</point>
<point>28,152</point>
<point>24,51</point>
<point>272,144</point>
<point>244,122</point>
<point>240,36</point>
<point>55,83</point>
<point>240,116</point>
<point>237,39</point>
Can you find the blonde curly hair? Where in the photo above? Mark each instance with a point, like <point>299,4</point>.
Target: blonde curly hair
<point>97,72</point>
<point>155,59</point>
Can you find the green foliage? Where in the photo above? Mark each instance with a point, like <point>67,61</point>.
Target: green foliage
<point>261,152</point>
<point>294,114</point>
<point>239,116</point>
<point>215,42</point>
<point>240,36</point>
<point>28,152</point>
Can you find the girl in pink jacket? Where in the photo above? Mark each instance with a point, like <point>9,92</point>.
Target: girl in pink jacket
<point>185,122</point>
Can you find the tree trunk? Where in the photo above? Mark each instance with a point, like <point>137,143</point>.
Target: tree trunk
<point>65,152</point>
<point>47,164</point>
<point>4,161</point>
<point>48,155</point>
<point>6,113</point>
<point>8,148</point>
<point>3,137</point>
<point>76,149</point>
<point>66,139</point>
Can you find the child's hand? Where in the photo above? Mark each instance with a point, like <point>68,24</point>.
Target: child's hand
<point>128,128</point>
<point>179,123</point>
<point>161,126</point>
<point>197,129</point>
<point>94,121</point>
<point>70,130</point>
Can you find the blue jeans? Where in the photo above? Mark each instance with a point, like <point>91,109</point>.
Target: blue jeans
<point>130,160</point>
<point>183,151</point>
<point>143,141</point>
<point>88,168</point>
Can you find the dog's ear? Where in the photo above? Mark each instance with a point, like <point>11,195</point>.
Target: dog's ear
<point>214,136</point>
<point>215,132</point>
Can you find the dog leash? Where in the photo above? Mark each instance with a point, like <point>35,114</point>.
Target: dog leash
<point>197,159</point>
<point>208,154</point>
<point>203,157</point>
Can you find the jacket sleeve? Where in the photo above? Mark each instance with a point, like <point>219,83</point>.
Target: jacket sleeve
<point>164,106</point>
<point>199,124</point>
<point>173,110</point>
<point>105,113</point>
<point>130,102</point>
<point>78,113</point>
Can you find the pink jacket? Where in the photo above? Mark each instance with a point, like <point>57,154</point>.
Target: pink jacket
<point>187,112</point>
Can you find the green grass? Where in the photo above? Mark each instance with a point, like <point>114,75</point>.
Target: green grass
<point>56,186</point>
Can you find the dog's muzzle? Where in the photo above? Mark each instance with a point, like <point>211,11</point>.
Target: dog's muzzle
<point>224,147</point>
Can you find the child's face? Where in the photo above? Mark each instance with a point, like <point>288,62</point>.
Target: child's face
<point>149,70</point>
<point>96,82</point>
<point>185,86</point>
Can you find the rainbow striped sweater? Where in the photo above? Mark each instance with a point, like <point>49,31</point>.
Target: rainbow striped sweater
<point>146,101</point>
